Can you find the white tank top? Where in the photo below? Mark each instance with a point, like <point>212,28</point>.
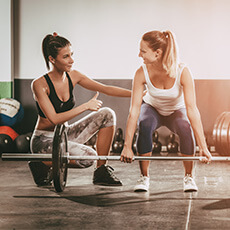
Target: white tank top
<point>165,101</point>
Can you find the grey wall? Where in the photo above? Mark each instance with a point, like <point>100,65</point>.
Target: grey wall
<point>105,34</point>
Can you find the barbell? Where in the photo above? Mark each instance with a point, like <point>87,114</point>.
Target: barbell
<point>60,155</point>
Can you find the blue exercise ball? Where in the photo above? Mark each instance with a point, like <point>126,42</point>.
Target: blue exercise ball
<point>11,112</point>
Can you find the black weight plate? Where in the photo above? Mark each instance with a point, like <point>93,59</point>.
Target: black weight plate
<point>59,160</point>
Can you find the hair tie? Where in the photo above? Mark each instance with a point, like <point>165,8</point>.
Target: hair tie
<point>166,34</point>
<point>55,34</point>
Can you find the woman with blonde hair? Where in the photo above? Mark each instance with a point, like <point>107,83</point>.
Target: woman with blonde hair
<point>170,101</point>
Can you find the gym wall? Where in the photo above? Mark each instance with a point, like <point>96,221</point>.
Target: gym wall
<point>105,36</point>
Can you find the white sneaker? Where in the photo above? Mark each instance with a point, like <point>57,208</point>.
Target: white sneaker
<point>142,184</point>
<point>189,184</point>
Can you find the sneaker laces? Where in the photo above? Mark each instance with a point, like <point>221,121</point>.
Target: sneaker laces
<point>188,179</point>
<point>110,171</point>
<point>141,180</point>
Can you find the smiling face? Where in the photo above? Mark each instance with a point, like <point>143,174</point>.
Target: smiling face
<point>64,60</point>
<point>147,54</point>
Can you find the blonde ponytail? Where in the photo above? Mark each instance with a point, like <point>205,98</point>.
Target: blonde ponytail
<point>170,60</point>
<point>167,43</point>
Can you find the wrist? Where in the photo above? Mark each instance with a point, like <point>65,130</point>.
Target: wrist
<point>85,106</point>
<point>127,145</point>
<point>203,147</point>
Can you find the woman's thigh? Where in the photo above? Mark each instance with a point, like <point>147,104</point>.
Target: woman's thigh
<point>178,123</point>
<point>149,120</point>
<point>82,130</point>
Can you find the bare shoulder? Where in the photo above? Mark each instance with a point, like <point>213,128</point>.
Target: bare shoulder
<point>139,76</point>
<point>39,85</point>
<point>140,71</point>
<point>185,69</point>
<point>186,75</point>
<point>75,76</point>
<point>38,82</point>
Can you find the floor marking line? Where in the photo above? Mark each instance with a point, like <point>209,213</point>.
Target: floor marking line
<point>190,205</point>
<point>189,212</point>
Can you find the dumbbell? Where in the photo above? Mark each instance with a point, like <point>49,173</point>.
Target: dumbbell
<point>118,142</point>
<point>156,143</point>
<point>172,146</point>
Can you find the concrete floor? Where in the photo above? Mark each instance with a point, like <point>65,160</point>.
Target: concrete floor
<point>85,206</point>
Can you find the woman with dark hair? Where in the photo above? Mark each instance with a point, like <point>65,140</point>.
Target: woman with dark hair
<point>170,101</point>
<point>55,102</point>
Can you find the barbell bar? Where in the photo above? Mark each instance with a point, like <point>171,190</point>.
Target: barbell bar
<point>48,157</point>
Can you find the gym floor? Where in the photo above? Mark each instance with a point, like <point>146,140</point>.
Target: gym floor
<point>83,205</point>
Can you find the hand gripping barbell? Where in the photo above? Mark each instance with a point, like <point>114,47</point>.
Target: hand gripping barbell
<point>60,158</point>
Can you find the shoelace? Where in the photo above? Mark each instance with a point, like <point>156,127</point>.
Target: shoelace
<point>188,179</point>
<point>110,171</point>
<point>141,180</point>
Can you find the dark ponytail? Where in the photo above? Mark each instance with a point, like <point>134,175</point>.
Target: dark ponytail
<point>51,45</point>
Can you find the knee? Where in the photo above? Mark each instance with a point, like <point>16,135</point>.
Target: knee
<point>146,125</point>
<point>109,116</point>
<point>182,125</point>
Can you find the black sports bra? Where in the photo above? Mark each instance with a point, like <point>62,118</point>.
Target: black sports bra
<point>59,106</point>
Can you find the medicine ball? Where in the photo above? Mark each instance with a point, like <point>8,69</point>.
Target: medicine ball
<point>11,112</point>
<point>6,144</point>
<point>22,143</point>
<point>8,131</point>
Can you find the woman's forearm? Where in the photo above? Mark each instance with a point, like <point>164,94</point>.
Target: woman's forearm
<point>130,129</point>
<point>117,91</point>
<point>60,118</point>
<point>195,120</point>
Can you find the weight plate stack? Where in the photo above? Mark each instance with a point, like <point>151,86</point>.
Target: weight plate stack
<point>221,134</point>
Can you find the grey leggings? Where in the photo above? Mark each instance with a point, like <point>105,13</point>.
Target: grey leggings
<point>78,133</point>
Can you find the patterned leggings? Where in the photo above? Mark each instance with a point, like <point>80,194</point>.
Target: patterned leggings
<point>78,133</point>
